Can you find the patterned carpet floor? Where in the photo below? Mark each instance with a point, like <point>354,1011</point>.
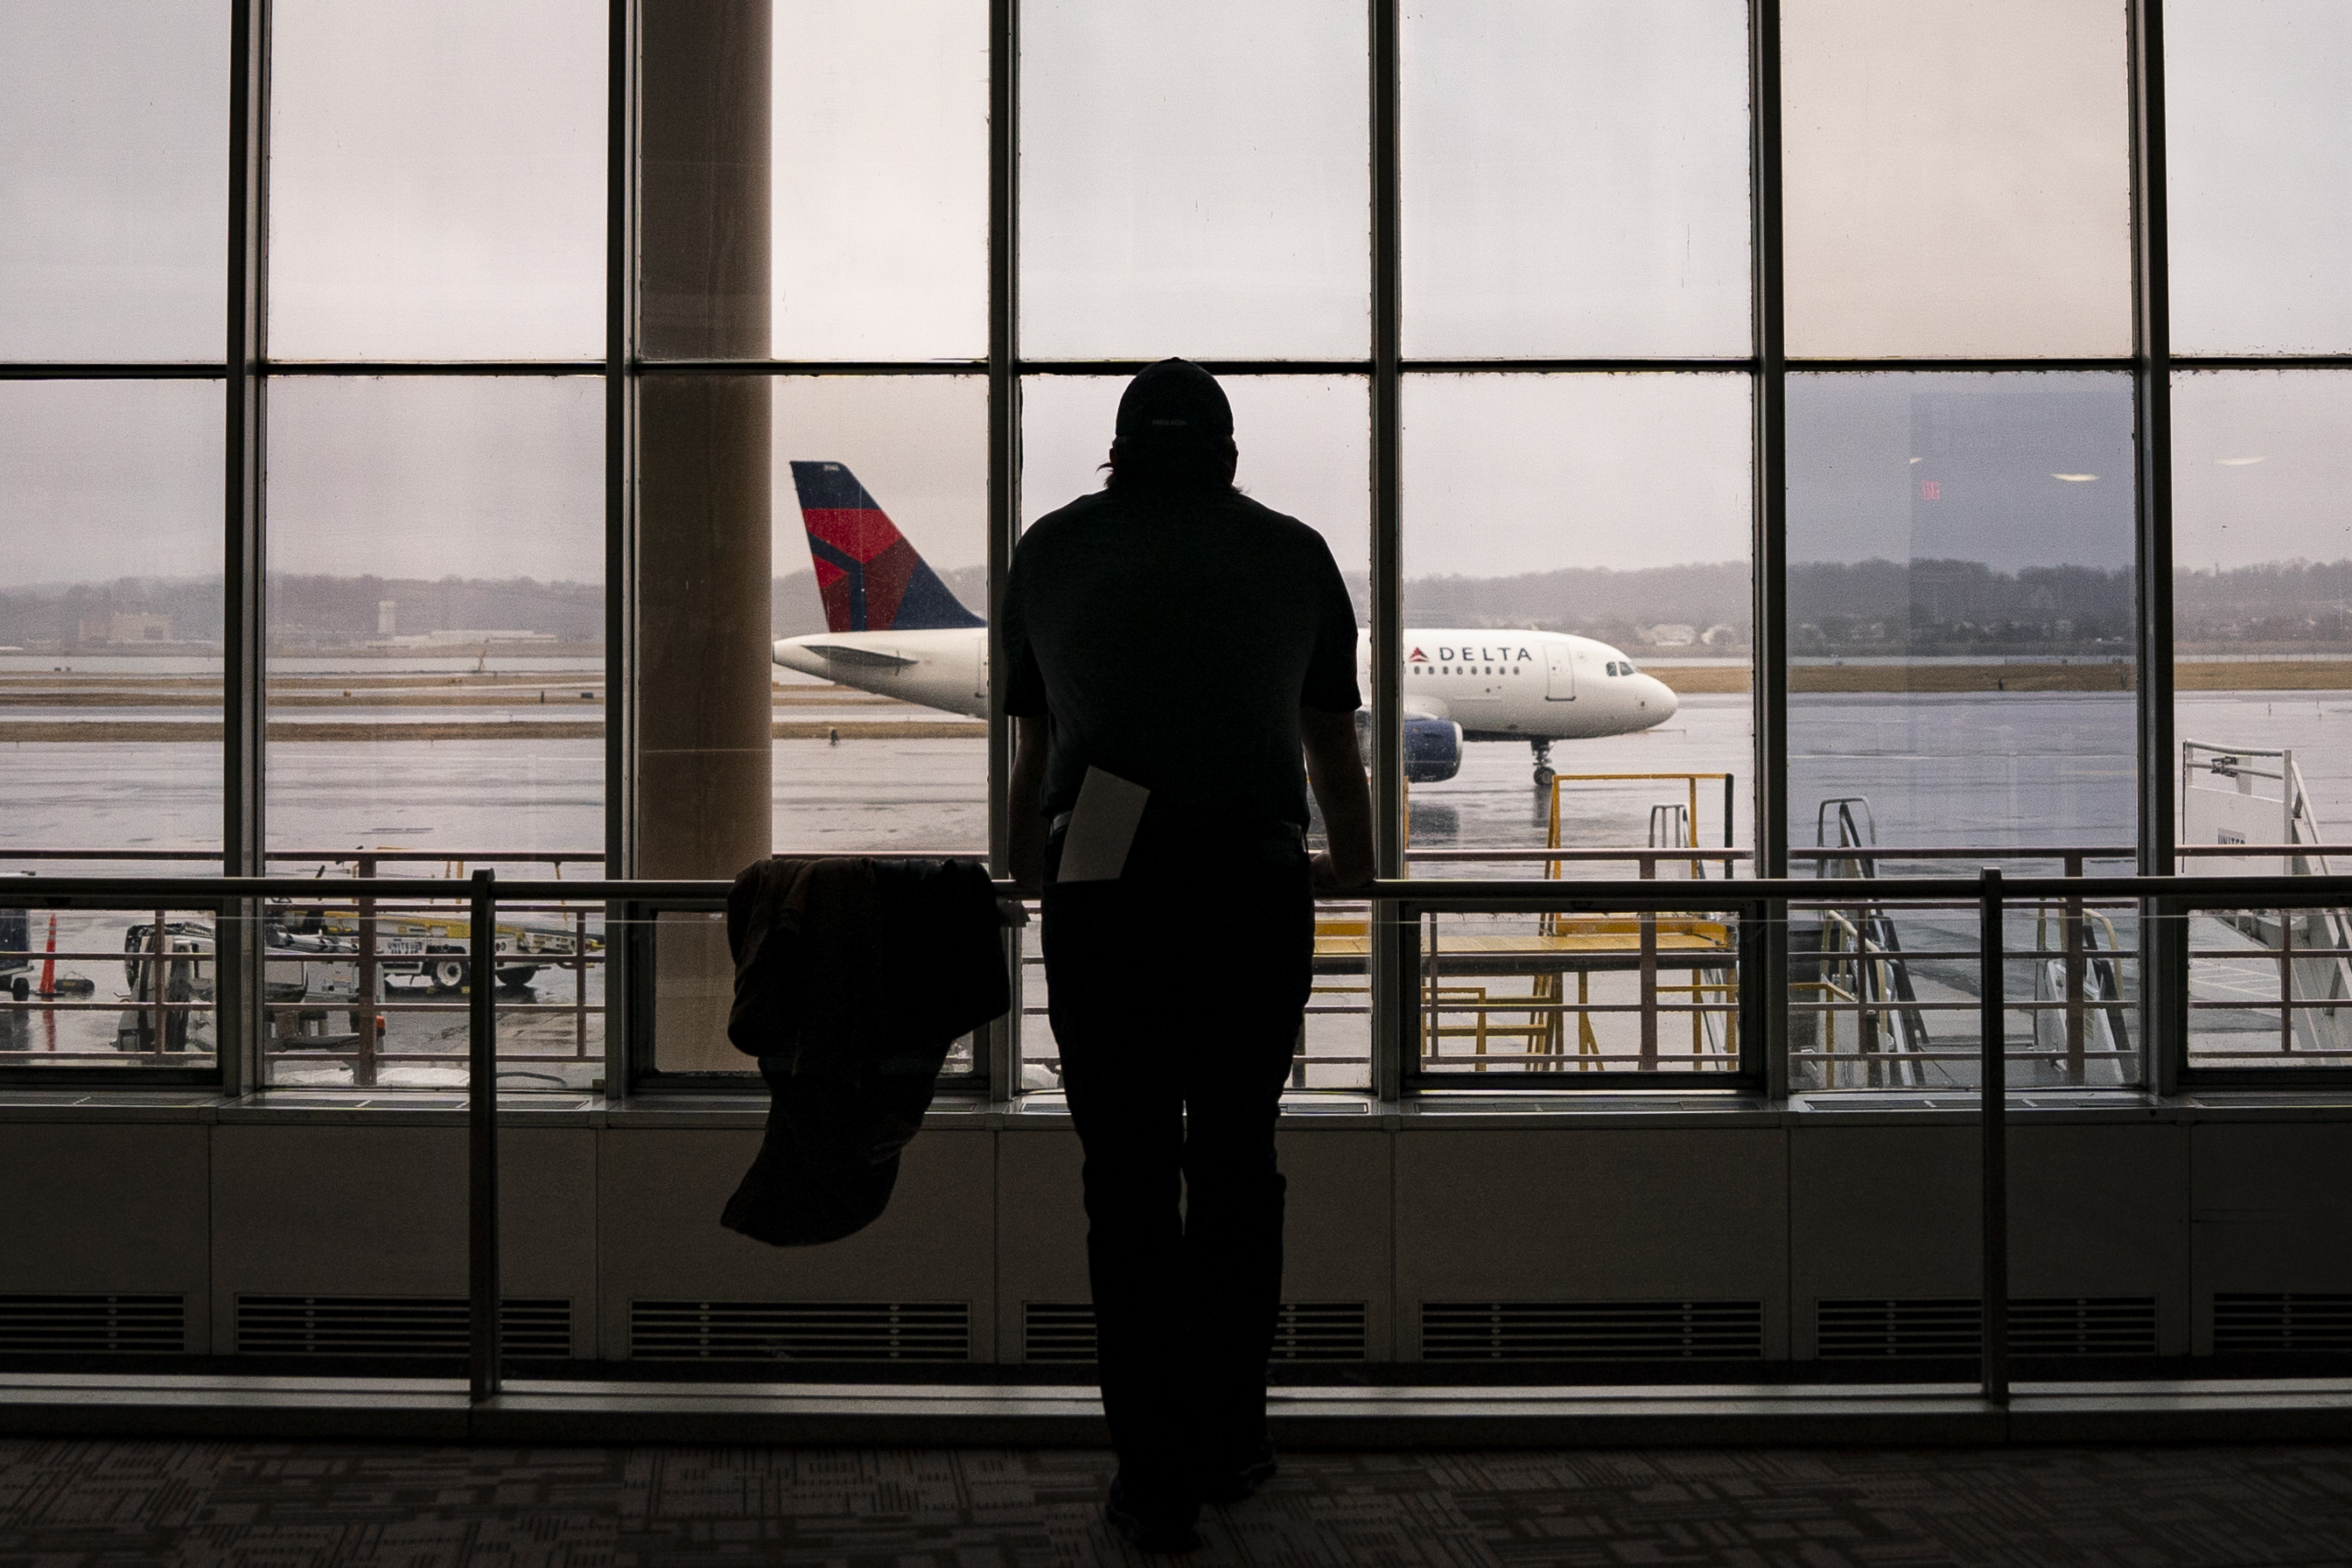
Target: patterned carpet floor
<point>83,1504</point>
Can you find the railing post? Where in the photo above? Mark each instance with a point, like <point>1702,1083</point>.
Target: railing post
<point>157,970</point>
<point>2077,1017</point>
<point>1993,1043</point>
<point>580,985</point>
<point>1648,926</point>
<point>369,983</point>
<point>482,1136</point>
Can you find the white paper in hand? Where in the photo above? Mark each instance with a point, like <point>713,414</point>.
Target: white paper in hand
<point>1102,827</point>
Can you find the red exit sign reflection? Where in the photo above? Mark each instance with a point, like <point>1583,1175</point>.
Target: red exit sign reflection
<point>1931,490</point>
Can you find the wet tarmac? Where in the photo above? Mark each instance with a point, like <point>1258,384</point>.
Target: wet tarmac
<point>2012,770</point>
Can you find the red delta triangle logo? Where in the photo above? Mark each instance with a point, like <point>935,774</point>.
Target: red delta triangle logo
<point>1416,657</point>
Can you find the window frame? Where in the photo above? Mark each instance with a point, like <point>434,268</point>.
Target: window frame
<point>245,372</point>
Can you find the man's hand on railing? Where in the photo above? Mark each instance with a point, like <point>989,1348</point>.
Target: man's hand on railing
<point>1327,874</point>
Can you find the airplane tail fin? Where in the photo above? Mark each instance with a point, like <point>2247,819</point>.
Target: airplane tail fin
<point>868,574</point>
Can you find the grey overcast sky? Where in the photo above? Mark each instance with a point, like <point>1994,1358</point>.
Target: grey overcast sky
<point>1194,181</point>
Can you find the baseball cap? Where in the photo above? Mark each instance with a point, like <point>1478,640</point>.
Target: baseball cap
<point>1174,405</point>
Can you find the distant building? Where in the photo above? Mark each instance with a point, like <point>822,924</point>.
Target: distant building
<point>1672,636</point>
<point>125,625</point>
<point>386,616</point>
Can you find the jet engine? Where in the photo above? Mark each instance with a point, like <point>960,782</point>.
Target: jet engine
<point>1433,747</point>
<point>1433,750</point>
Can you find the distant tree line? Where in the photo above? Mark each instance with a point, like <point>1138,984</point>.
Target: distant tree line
<point>343,609</point>
<point>57,616</point>
<point>1862,607</point>
<point>1931,607</point>
<point>340,610</point>
<point>2281,605</point>
<point>1619,607</point>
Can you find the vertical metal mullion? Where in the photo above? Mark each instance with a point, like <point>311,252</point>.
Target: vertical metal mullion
<point>620,531</point>
<point>2164,978</point>
<point>244,644</point>
<point>1003,1037</point>
<point>1395,1003</point>
<point>1768,641</point>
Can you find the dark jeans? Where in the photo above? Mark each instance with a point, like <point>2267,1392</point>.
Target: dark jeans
<point>1177,1016</point>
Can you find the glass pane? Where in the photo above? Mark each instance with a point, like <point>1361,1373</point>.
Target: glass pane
<point>111,621</point>
<point>1960,608</point>
<point>116,183</point>
<point>2261,554</point>
<point>436,617</point>
<point>110,704</point>
<point>1194,180</point>
<point>1305,451</point>
<point>1576,178</point>
<point>2257,152</point>
<point>2263,663</point>
<point>436,688</point>
<point>874,684</point>
<point>1305,442</point>
<point>1956,178</point>
<point>872,754</point>
<point>1577,601</point>
<point>881,179</point>
<point>436,180</point>
<point>1577,614</point>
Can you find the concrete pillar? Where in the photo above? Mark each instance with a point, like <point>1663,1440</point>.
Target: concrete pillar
<point>703,712</point>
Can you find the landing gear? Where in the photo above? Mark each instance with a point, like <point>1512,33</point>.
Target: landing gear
<point>1544,775</point>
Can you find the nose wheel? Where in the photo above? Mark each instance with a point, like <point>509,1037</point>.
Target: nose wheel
<point>1544,775</point>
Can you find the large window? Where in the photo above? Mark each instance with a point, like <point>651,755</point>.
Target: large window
<point>415,454</point>
<point>2262,662</point>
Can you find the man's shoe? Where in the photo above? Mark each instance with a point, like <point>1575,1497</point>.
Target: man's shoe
<point>1146,1533</point>
<point>1242,1481</point>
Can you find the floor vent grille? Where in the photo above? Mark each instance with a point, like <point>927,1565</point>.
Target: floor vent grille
<point>1936,1326</point>
<point>93,1325</point>
<point>1306,1331</point>
<point>1954,1326</point>
<point>2273,1322</point>
<point>395,1326</point>
<point>801,1331</point>
<point>1592,1331</point>
<point>2083,1325</point>
<point>1058,1331</point>
<point>1321,1330</point>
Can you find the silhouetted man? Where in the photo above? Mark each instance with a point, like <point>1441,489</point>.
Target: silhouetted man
<point>1172,648</point>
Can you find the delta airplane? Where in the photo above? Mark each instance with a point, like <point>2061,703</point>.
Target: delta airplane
<point>893,629</point>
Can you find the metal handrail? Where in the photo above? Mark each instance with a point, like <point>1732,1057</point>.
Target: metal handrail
<point>1990,892</point>
<point>1426,892</point>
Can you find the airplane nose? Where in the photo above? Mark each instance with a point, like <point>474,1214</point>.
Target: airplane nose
<point>1662,699</point>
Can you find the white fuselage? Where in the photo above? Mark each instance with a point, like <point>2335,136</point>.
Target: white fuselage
<point>1497,685</point>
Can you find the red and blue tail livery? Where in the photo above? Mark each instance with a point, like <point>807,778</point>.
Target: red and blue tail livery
<point>868,574</point>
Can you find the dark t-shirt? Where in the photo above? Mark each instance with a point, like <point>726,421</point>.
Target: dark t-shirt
<point>1172,640</point>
